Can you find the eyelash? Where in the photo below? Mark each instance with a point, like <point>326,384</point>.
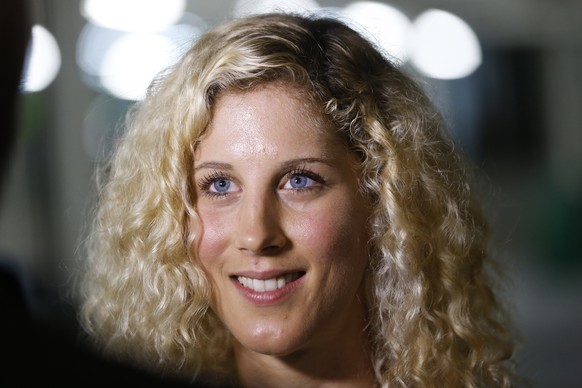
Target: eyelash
<point>206,182</point>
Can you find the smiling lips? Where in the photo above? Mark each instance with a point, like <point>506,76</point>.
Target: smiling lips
<point>266,285</point>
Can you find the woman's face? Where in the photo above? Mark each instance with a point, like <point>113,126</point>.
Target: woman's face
<point>283,234</point>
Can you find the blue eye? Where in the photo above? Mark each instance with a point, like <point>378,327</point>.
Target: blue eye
<point>220,185</point>
<point>303,180</point>
<point>299,181</point>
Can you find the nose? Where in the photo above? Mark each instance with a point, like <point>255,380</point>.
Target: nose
<point>260,226</point>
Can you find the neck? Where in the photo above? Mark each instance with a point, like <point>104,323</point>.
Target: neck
<point>298,372</point>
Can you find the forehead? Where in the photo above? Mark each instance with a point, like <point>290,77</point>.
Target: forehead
<point>266,120</point>
<point>278,97</point>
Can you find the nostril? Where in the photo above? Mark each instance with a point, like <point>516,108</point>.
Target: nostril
<point>271,249</point>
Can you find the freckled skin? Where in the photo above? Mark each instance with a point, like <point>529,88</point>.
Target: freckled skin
<point>263,225</point>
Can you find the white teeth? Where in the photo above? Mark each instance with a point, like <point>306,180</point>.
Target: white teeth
<point>258,285</point>
<point>281,282</point>
<point>268,284</point>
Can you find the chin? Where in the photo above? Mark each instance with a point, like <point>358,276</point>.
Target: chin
<point>269,341</point>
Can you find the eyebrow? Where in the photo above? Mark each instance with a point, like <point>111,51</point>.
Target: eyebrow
<point>286,165</point>
<point>295,162</point>
<point>214,165</point>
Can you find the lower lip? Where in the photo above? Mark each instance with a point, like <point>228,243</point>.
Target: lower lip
<point>268,298</point>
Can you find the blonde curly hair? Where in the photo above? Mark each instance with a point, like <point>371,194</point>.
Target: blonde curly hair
<point>433,317</point>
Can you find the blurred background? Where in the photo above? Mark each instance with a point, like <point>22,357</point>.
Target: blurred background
<point>507,76</point>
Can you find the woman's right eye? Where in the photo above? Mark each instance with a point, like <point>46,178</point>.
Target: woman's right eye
<point>220,185</point>
<point>217,185</point>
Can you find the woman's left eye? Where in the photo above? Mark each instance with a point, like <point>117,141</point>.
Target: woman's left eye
<point>300,181</point>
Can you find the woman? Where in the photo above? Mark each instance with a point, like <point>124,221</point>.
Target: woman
<point>284,210</point>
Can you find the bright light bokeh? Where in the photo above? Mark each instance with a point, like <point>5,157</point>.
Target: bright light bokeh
<point>123,64</point>
<point>43,60</point>
<point>382,24</point>
<point>131,63</point>
<point>251,7</point>
<point>133,15</point>
<point>93,42</point>
<point>443,46</point>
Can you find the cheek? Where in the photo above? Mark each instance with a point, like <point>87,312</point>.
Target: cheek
<point>335,235</point>
<point>212,238</point>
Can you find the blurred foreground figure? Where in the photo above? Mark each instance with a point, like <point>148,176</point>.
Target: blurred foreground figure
<point>14,33</point>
